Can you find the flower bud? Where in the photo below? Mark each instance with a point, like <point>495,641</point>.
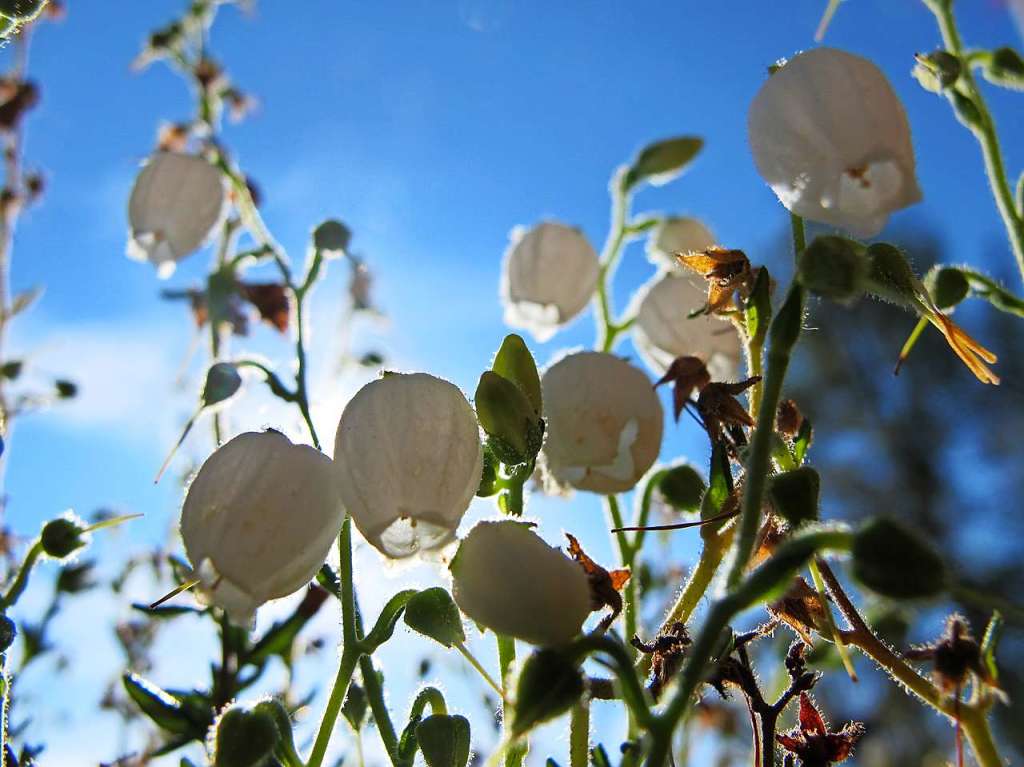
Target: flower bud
<point>433,613</point>
<point>549,275</point>
<point>677,234</point>
<point>444,740</point>
<point>664,330</point>
<point>937,71</point>
<point>604,422</point>
<point>512,424</point>
<point>682,487</point>
<point>63,536</point>
<point>505,577</point>
<point>794,495</point>
<point>332,237</point>
<point>258,521</point>
<point>8,632</point>
<point>1006,68</point>
<point>244,736</point>
<point>408,459</point>
<point>830,137</point>
<point>892,560</point>
<point>834,267</point>
<point>947,286</point>
<point>549,685</point>
<point>175,204</point>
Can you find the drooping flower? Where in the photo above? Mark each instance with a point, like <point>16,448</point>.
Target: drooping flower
<point>831,138</point>
<point>258,521</point>
<point>813,744</point>
<point>507,578</point>
<point>549,274</point>
<point>604,422</point>
<point>677,234</point>
<point>664,329</point>
<point>408,458</point>
<point>175,204</point>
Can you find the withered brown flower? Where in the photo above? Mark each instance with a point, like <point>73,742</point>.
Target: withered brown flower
<point>722,413</point>
<point>270,300</point>
<point>801,609</point>
<point>813,744</point>
<point>788,418</point>
<point>686,374</point>
<point>604,585</point>
<point>726,271</point>
<point>955,655</point>
<point>667,651</point>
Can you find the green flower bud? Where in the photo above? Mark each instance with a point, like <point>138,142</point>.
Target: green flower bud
<point>244,737</point>
<point>891,277</point>
<point>1005,68</point>
<point>444,740</point>
<point>433,613</point>
<point>894,561</point>
<point>549,685</point>
<point>8,632</point>
<point>63,536</point>
<point>937,71</point>
<point>514,362</point>
<point>834,267</point>
<point>509,419</point>
<point>947,285</point>
<point>794,494</point>
<point>966,110</point>
<point>682,487</point>
<point>332,237</point>
<point>222,382</point>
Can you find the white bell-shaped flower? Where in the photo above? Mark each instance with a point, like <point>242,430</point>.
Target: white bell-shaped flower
<point>604,422</point>
<point>549,274</point>
<point>408,459</point>
<point>663,329</point>
<point>505,577</point>
<point>677,234</point>
<point>258,521</point>
<point>175,204</point>
<point>831,138</point>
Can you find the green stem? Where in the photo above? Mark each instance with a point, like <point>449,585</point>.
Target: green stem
<point>381,715</point>
<point>515,753</point>
<point>428,696</point>
<point>985,132</point>
<point>351,651</point>
<point>607,329</point>
<point>471,659</point>
<point>782,337</point>
<point>21,579</point>
<point>627,555</point>
<point>579,734</point>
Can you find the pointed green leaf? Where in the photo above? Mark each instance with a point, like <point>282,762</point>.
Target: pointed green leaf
<point>662,161</point>
<point>514,362</point>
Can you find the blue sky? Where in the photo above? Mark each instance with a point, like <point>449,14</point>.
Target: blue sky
<point>431,128</point>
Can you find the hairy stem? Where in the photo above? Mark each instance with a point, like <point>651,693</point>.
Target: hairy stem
<point>579,734</point>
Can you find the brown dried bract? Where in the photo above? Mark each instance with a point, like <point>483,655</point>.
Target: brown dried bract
<point>604,585</point>
<point>270,300</point>
<point>813,744</point>
<point>801,609</point>
<point>955,655</point>
<point>726,271</point>
<point>687,374</point>
<point>667,651</point>
<point>788,418</point>
<point>722,413</point>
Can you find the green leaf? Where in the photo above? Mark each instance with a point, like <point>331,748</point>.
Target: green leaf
<point>803,440</point>
<point>662,161</point>
<point>599,757</point>
<point>989,643</point>
<point>389,615</point>
<point>23,300</point>
<point>279,638</point>
<point>514,362</point>
<point>159,705</point>
<point>444,740</point>
<point>759,307</point>
<point>166,611</point>
<point>433,613</point>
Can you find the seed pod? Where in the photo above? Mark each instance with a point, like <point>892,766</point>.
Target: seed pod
<point>664,331</point>
<point>408,459</point>
<point>831,138</point>
<point>549,274</point>
<point>834,267</point>
<point>258,521</point>
<point>505,577</point>
<point>63,536</point>
<point>677,234</point>
<point>175,204</point>
<point>604,422</point>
